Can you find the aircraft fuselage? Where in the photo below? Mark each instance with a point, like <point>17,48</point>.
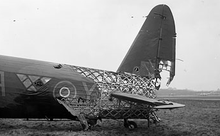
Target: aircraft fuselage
<point>28,88</point>
<point>34,89</point>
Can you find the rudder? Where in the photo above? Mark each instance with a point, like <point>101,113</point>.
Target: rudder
<point>153,49</point>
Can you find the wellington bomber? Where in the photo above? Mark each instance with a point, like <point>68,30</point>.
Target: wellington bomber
<point>38,89</point>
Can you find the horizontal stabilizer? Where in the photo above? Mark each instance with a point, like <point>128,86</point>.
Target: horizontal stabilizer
<point>157,104</point>
<point>171,105</point>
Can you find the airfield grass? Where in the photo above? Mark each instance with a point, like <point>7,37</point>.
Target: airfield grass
<point>198,118</point>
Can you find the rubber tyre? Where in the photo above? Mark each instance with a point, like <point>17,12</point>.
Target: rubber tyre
<point>131,125</point>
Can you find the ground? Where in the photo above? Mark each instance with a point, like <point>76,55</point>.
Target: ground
<point>198,118</point>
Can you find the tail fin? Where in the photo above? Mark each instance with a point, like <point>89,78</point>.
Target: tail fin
<point>153,50</point>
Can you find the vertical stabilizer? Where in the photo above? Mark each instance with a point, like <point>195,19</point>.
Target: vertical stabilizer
<point>153,50</point>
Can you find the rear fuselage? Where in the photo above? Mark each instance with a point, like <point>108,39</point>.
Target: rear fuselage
<point>31,89</point>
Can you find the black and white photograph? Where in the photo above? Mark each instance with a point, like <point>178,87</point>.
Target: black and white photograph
<point>109,68</point>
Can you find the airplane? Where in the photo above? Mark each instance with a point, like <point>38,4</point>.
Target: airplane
<point>38,89</point>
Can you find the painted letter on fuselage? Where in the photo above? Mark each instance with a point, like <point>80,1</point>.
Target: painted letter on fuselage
<point>2,83</point>
<point>88,91</point>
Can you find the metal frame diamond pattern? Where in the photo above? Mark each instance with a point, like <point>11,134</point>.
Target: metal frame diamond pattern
<point>108,82</point>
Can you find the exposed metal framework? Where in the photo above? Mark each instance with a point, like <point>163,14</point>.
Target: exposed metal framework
<point>108,82</point>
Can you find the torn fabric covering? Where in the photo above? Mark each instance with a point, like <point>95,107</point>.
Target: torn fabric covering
<point>154,43</point>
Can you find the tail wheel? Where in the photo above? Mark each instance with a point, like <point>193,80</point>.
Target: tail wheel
<point>131,125</point>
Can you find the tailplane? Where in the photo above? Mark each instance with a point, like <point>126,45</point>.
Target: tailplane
<point>153,50</point>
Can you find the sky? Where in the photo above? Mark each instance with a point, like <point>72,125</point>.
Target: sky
<point>98,34</point>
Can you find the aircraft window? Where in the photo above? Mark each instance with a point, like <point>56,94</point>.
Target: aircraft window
<point>21,77</point>
<point>32,88</point>
<point>27,83</point>
<point>45,79</point>
<point>34,78</point>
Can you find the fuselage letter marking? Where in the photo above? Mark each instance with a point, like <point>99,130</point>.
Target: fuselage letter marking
<point>88,91</point>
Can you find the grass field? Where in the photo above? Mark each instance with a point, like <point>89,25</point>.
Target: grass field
<point>198,118</point>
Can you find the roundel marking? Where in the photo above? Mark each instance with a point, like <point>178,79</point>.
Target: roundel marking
<point>64,89</point>
<point>64,92</point>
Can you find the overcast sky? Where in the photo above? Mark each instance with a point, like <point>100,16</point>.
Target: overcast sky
<point>98,33</point>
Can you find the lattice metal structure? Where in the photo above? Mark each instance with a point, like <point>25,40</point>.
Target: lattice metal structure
<point>108,82</point>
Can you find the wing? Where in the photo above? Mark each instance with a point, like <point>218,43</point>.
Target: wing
<point>157,104</point>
